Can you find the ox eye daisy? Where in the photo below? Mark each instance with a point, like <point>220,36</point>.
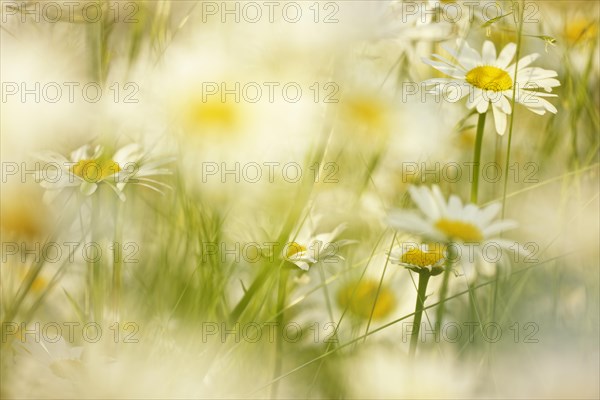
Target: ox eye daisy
<point>492,80</point>
<point>489,80</point>
<point>450,221</point>
<point>425,258</point>
<point>57,356</point>
<point>465,229</point>
<point>89,168</point>
<point>309,248</point>
<point>367,299</point>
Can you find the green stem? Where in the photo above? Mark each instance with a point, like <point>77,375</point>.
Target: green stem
<point>117,264</point>
<point>419,306</point>
<point>93,301</point>
<point>512,115</point>
<point>116,292</point>
<point>327,300</point>
<point>477,157</point>
<point>443,293</point>
<point>281,295</point>
<point>380,284</point>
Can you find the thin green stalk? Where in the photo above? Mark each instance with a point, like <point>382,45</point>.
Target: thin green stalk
<point>495,294</point>
<point>443,292</point>
<point>477,157</point>
<point>512,115</point>
<point>281,295</point>
<point>498,160</point>
<point>380,284</point>
<point>510,133</point>
<point>327,298</point>
<point>94,292</point>
<point>419,307</point>
<point>116,285</point>
<point>117,264</point>
<point>24,289</point>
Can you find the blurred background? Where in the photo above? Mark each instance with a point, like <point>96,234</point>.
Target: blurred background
<point>262,129</point>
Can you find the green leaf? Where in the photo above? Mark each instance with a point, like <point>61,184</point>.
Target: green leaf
<point>489,22</point>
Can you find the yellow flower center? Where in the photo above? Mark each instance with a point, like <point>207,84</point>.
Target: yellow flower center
<point>216,113</point>
<point>39,284</point>
<point>489,78</point>
<point>294,248</point>
<point>95,170</point>
<point>365,110</point>
<point>22,212</point>
<point>212,114</point>
<point>420,258</point>
<point>359,299</point>
<point>456,229</point>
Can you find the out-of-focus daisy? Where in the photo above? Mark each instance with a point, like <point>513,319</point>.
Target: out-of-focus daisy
<point>581,31</point>
<point>58,356</point>
<point>23,214</point>
<point>87,168</point>
<point>309,247</point>
<point>368,371</point>
<point>359,299</point>
<point>418,258</point>
<point>468,226</point>
<point>488,80</point>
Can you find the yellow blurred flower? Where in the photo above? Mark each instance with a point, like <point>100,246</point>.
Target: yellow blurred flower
<point>359,298</point>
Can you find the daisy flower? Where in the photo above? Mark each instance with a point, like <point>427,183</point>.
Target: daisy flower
<point>57,355</point>
<point>88,168</point>
<point>359,298</point>
<point>420,258</point>
<point>309,248</point>
<point>469,227</point>
<point>427,261</point>
<point>488,80</point>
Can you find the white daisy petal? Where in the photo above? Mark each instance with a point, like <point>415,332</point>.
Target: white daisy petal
<point>482,106</point>
<point>506,55</point>
<point>499,119</point>
<point>446,69</point>
<point>499,226</point>
<point>525,61</point>
<point>488,54</point>
<point>87,188</point>
<point>489,213</point>
<point>131,153</point>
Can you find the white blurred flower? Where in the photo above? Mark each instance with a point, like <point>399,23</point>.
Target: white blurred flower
<point>309,247</point>
<point>62,359</point>
<point>87,168</point>
<point>138,370</point>
<point>488,80</point>
<point>383,372</point>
